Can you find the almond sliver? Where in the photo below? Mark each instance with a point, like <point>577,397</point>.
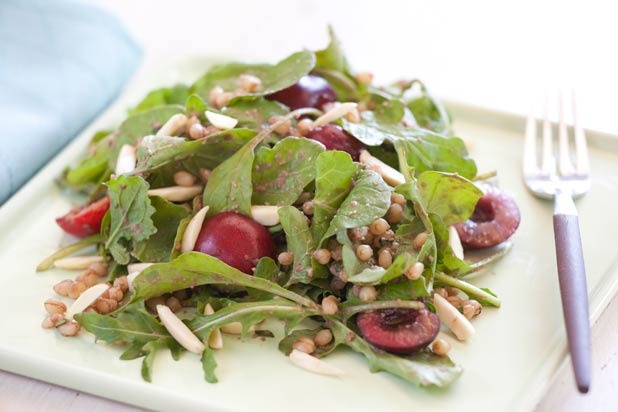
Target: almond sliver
<point>138,267</point>
<point>455,242</point>
<point>335,113</point>
<point>221,121</point>
<point>179,330</point>
<point>452,318</point>
<point>265,215</point>
<point>77,262</point>
<point>215,339</point>
<point>175,124</point>
<point>86,299</point>
<point>125,163</point>
<point>313,364</point>
<point>130,278</point>
<point>391,176</point>
<point>193,230</point>
<point>176,193</point>
<point>232,328</point>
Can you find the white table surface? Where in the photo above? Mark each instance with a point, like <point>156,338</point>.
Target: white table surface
<point>493,54</point>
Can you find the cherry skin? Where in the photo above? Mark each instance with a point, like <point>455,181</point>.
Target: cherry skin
<point>496,217</point>
<point>399,331</point>
<point>335,138</point>
<point>309,91</point>
<point>236,240</point>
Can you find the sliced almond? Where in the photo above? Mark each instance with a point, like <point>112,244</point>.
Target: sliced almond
<point>138,267</point>
<point>391,176</point>
<point>232,328</point>
<point>265,215</point>
<point>215,339</point>
<point>86,299</point>
<point>455,242</point>
<point>313,364</point>
<point>335,113</point>
<point>175,124</point>
<point>77,262</point>
<point>452,318</point>
<point>176,193</point>
<point>221,121</point>
<point>127,158</point>
<point>179,330</point>
<point>130,278</point>
<point>193,230</point>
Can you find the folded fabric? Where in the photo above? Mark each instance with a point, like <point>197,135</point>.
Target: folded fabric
<point>61,63</point>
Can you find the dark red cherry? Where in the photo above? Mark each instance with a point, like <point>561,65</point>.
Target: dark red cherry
<point>400,331</point>
<point>496,217</point>
<point>309,91</point>
<point>236,239</point>
<point>335,138</point>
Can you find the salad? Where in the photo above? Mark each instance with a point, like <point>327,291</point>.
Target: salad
<point>299,192</point>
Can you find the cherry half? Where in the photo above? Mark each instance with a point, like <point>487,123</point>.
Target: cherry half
<point>235,239</point>
<point>335,138</point>
<point>496,217</point>
<point>309,91</point>
<point>399,331</point>
<point>84,220</point>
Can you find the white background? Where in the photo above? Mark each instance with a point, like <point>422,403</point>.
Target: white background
<point>504,55</point>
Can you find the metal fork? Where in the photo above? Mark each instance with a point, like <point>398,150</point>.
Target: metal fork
<point>563,180</point>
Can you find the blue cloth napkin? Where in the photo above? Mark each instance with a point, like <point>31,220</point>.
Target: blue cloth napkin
<point>61,63</point>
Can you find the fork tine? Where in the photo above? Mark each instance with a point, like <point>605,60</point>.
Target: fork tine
<point>530,165</point>
<point>581,146</point>
<point>547,160</point>
<point>564,160</point>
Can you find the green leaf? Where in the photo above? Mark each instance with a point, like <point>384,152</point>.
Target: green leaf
<point>274,77</point>
<point>423,368</point>
<point>254,114</point>
<point>167,95</point>
<point>404,290</point>
<point>378,274</point>
<point>68,250</point>
<point>430,114</point>
<point>130,216</point>
<point>300,243</point>
<point>209,364</point>
<point>159,246</point>
<point>195,106</point>
<point>368,200</point>
<point>332,57</point>
<point>193,269</point>
<point>285,345</point>
<point>450,196</point>
<point>280,174</point>
<point>334,173</point>
<point>268,269</point>
<point>481,294</point>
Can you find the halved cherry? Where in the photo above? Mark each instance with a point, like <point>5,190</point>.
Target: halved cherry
<point>309,91</point>
<point>84,220</point>
<point>496,217</point>
<point>235,239</point>
<point>335,138</point>
<point>400,331</point>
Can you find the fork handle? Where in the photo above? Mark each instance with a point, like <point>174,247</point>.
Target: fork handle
<point>572,277</point>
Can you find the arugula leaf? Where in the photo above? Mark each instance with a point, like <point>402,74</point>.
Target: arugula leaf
<point>422,368</point>
<point>274,77</point>
<point>159,246</point>
<point>404,290</point>
<point>136,327</point>
<point>334,173</point>
<point>378,274</point>
<point>209,364</point>
<point>482,294</point>
<point>130,216</point>
<point>193,269</point>
<point>254,113</point>
<point>300,243</point>
<point>430,114</point>
<point>332,57</point>
<point>268,269</point>
<point>280,174</point>
<point>450,196</point>
<point>285,345</point>
<point>368,200</point>
<point>166,95</point>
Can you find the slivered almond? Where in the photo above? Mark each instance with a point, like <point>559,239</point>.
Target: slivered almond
<point>233,328</point>
<point>193,230</point>
<point>265,215</point>
<point>86,299</point>
<point>176,193</point>
<point>452,318</point>
<point>313,364</point>
<point>215,339</point>
<point>221,121</point>
<point>138,267</point>
<point>335,113</point>
<point>125,163</point>
<point>175,124</point>
<point>77,262</point>
<point>179,330</point>
<point>455,242</point>
<point>130,278</point>
<point>391,176</point>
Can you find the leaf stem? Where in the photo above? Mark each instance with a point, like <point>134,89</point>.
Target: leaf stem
<point>350,311</point>
<point>68,250</point>
<point>468,288</point>
<point>485,176</point>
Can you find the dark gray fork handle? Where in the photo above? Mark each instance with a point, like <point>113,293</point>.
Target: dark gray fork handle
<point>572,277</point>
